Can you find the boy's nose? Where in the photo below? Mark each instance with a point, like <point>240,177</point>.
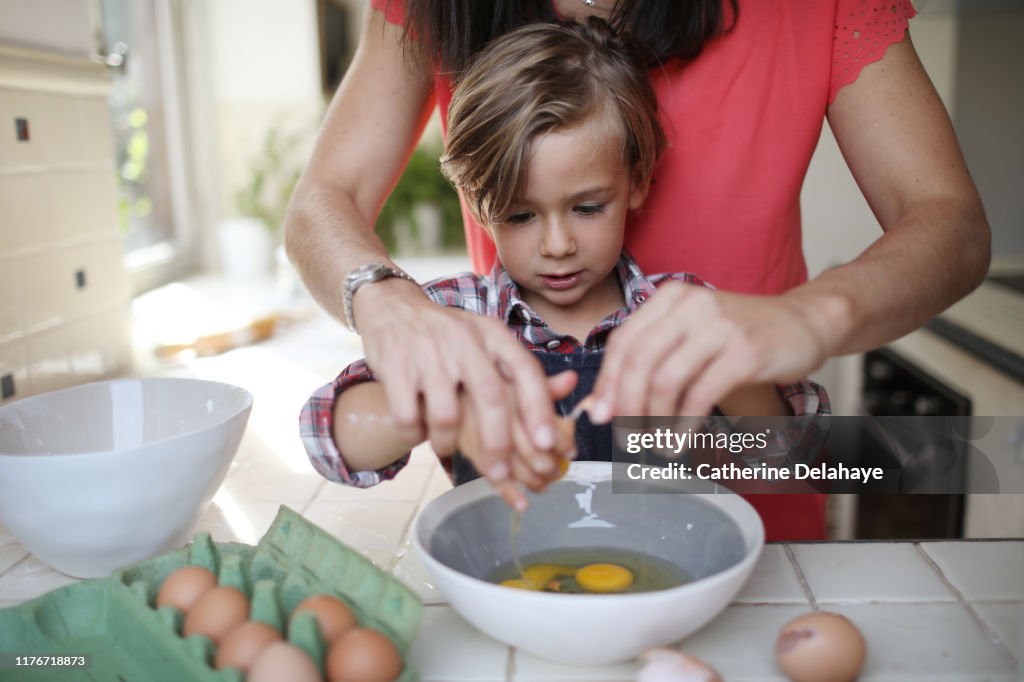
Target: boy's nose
<point>558,241</point>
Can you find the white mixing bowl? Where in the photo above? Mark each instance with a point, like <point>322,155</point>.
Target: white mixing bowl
<point>99,476</point>
<point>464,536</point>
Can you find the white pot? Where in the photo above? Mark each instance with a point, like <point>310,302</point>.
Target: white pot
<point>427,216</point>
<point>246,249</point>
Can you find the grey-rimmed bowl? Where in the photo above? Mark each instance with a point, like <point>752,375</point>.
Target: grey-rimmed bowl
<point>464,536</point>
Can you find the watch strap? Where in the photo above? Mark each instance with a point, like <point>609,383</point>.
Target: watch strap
<point>367,274</point>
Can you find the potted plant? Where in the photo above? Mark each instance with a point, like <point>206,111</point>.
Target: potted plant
<point>422,215</point>
<point>247,242</point>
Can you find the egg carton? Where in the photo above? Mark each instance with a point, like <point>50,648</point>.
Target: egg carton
<point>115,620</point>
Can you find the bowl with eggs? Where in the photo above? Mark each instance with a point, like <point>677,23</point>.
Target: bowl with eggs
<point>102,475</point>
<point>587,575</point>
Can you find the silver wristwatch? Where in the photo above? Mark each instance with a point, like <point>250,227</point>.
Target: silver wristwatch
<point>365,274</point>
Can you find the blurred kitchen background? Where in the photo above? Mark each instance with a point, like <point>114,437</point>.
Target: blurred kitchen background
<point>148,149</point>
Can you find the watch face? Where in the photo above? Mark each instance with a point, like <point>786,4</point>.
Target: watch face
<point>362,271</point>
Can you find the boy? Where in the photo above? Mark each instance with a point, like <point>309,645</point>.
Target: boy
<point>553,139</point>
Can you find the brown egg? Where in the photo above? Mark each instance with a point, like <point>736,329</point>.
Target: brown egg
<point>283,662</point>
<point>363,655</point>
<point>242,645</point>
<point>217,613</point>
<point>820,647</point>
<point>332,616</point>
<point>183,588</point>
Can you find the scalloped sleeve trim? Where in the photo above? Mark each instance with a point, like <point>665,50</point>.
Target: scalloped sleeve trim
<point>394,10</point>
<point>864,30</point>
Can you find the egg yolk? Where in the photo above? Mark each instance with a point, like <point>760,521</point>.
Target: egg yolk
<point>540,575</point>
<point>604,578</point>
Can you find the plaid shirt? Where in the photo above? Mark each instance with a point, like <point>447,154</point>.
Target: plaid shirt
<point>497,295</point>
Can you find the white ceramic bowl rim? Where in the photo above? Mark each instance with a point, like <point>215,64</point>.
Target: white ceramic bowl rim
<point>243,397</point>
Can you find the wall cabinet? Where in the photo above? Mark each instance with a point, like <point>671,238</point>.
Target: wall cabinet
<point>64,296</point>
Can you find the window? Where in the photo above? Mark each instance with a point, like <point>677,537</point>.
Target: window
<point>140,40</point>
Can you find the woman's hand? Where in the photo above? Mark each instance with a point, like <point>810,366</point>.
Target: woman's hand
<point>434,361</point>
<point>528,466</point>
<point>689,347</point>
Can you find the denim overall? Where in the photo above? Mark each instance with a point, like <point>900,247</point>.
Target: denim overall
<point>593,443</point>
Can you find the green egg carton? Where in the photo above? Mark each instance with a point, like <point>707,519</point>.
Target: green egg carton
<point>115,620</point>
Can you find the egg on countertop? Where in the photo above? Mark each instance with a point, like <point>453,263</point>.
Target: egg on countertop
<point>283,662</point>
<point>333,617</point>
<point>216,613</point>
<point>363,655</point>
<point>244,644</point>
<point>821,647</point>
<point>182,588</point>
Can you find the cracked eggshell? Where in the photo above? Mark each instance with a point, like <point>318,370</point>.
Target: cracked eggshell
<point>668,665</point>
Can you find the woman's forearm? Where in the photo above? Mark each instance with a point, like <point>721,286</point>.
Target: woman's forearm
<point>363,430</point>
<point>937,253</point>
<point>368,133</point>
<point>899,143</point>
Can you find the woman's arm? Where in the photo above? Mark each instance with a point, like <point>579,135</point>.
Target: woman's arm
<point>422,353</point>
<point>900,145</point>
<point>688,347</point>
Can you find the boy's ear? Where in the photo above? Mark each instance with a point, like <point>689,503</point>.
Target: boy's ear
<point>638,191</point>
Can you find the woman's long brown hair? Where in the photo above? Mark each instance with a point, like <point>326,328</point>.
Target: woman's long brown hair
<point>449,32</point>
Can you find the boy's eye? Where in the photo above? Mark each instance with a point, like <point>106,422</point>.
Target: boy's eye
<point>519,218</point>
<point>589,209</point>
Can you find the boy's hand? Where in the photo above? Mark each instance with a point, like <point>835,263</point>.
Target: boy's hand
<point>527,466</point>
<point>689,347</point>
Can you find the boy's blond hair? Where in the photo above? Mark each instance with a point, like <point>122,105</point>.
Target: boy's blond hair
<point>540,78</point>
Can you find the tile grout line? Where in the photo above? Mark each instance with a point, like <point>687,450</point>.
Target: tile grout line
<point>17,563</point>
<point>510,665</point>
<point>987,631</point>
<point>312,499</point>
<point>801,577</point>
<point>405,538</point>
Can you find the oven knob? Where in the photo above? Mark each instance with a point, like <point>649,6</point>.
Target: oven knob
<point>880,370</point>
<point>902,402</point>
<point>926,405</point>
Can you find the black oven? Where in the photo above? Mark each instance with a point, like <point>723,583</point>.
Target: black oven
<point>894,386</point>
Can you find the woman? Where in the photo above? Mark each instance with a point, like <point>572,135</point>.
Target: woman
<point>744,90</point>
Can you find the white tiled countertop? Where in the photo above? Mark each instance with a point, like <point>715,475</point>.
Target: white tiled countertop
<point>929,611</point>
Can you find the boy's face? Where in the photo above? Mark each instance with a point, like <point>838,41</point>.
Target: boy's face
<point>561,241</point>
